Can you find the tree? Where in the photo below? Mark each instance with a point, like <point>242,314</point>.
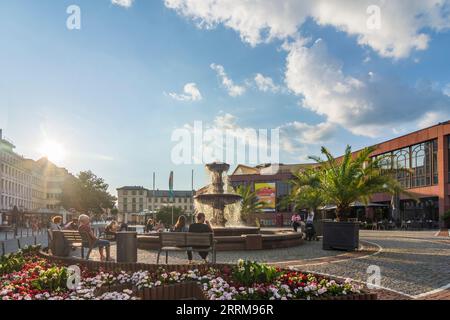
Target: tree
<point>250,202</point>
<point>164,215</point>
<point>306,193</point>
<point>87,192</point>
<point>352,178</point>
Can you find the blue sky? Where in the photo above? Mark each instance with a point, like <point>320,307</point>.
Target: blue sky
<point>104,92</point>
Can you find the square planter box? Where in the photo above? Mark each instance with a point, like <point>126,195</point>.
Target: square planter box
<point>340,236</point>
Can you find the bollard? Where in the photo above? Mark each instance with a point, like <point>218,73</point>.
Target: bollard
<point>35,240</point>
<point>3,249</point>
<point>18,243</point>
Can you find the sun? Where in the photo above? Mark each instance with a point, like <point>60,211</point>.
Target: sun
<point>53,150</point>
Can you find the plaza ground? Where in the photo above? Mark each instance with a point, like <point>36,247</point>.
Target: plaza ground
<point>413,265</point>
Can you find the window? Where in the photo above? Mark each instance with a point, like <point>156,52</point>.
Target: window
<point>419,165</point>
<point>416,166</point>
<point>401,164</point>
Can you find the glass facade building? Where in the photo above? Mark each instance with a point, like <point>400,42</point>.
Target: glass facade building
<point>419,160</point>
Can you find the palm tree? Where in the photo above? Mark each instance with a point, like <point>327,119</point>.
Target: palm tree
<point>250,202</point>
<point>306,193</point>
<point>352,178</point>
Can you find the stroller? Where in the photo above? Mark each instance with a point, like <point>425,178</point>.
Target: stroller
<point>310,232</point>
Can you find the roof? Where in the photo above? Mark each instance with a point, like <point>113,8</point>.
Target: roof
<point>179,193</point>
<point>265,169</point>
<point>132,188</point>
<point>160,193</point>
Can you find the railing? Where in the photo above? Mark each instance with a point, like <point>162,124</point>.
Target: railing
<point>12,244</point>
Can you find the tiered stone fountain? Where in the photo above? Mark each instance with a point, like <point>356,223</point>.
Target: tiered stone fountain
<point>218,199</point>
<point>214,202</point>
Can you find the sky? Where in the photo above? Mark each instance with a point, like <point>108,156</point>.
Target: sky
<point>108,96</point>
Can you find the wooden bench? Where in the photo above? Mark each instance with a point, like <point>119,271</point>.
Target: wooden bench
<point>186,241</point>
<point>76,239</point>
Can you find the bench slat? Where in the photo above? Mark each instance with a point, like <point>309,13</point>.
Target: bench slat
<point>200,240</point>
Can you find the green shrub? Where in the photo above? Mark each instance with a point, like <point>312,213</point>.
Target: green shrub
<point>52,280</point>
<point>249,272</point>
<point>11,263</point>
<point>14,262</point>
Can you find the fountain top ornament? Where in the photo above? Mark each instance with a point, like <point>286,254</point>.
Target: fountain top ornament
<point>217,198</point>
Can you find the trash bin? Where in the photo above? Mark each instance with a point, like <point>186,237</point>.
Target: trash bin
<point>126,247</point>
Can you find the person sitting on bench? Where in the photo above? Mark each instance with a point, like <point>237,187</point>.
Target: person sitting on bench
<point>202,226</point>
<point>85,227</point>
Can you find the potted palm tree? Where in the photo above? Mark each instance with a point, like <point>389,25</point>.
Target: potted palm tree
<point>345,181</point>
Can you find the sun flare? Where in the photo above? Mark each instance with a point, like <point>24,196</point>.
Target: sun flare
<point>54,151</point>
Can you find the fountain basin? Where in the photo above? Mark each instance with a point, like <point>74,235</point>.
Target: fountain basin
<point>235,231</point>
<point>238,239</point>
<point>221,199</point>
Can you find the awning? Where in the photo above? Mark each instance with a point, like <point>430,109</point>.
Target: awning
<point>356,205</point>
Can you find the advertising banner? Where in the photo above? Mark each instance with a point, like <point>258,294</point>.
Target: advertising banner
<point>267,193</point>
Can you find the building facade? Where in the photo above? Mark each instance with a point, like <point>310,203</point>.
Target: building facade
<point>424,153</point>
<point>135,201</point>
<point>28,185</point>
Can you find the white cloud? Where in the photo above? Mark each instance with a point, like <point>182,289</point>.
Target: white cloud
<point>295,138</point>
<point>265,83</point>
<point>432,118</point>
<point>365,106</point>
<point>405,24</point>
<point>233,90</point>
<point>303,133</point>
<point>446,90</point>
<point>123,3</point>
<point>191,93</point>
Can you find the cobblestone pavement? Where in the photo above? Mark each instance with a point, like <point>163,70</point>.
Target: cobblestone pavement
<point>412,264</point>
<point>306,252</point>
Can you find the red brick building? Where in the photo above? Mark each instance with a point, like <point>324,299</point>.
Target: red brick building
<point>425,153</point>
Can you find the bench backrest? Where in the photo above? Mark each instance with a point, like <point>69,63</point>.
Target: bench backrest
<point>50,234</point>
<point>186,239</point>
<point>73,236</point>
<point>199,239</point>
<point>172,239</point>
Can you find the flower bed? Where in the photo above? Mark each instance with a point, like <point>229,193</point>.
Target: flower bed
<point>28,276</point>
